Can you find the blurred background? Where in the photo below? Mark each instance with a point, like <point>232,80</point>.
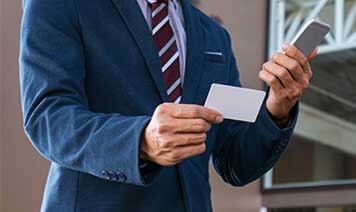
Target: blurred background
<point>318,171</point>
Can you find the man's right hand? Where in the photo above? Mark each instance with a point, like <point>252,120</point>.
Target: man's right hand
<point>177,132</point>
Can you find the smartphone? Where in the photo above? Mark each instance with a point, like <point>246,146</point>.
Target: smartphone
<point>310,36</point>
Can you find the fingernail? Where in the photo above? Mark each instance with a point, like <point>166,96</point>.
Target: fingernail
<point>285,47</point>
<point>219,119</point>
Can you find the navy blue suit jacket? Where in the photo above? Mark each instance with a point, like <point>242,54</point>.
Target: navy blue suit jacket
<point>90,80</point>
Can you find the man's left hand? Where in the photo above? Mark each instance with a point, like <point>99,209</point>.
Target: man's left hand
<point>288,75</point>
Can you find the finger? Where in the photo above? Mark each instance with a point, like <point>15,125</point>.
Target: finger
<point>195,112</point>
<point>293,52</point>
<point>182,153</point>
<point>189,139</point>
<point>271,80</point>
<point>313,54</point>
<point>290,64</point>
<point>171,141</point>
<point>306,65</point>
<point>310,58</point>
<point>280,72</point>
<point>191,126</point>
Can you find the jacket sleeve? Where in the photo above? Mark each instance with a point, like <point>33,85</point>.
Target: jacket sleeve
<point>57,118</point>
<point>246,151</point>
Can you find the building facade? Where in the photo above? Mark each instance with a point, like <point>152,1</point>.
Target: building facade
<point>318,171</point>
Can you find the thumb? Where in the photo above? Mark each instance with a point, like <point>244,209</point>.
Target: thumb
<point>313,54</point>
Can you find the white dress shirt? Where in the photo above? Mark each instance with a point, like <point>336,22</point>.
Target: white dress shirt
<point>176,19</point>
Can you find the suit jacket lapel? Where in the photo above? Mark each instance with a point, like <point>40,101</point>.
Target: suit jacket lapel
<point>194,60</point>
<point>131,14</point>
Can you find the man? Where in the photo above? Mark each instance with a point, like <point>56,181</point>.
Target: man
<point>111,95</point>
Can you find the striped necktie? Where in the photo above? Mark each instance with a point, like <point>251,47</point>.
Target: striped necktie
<point>166,44</point>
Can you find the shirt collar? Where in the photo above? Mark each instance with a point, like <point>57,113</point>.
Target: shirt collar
<point>153,1</point>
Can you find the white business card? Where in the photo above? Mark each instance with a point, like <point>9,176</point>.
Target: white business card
<point>235,103</point>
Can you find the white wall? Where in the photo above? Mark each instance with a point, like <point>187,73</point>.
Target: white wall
<point>23,171</point>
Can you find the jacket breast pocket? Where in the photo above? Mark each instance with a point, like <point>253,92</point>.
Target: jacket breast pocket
<point>215,68</point>
<point>215,57</point>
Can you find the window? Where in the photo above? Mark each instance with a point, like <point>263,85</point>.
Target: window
<point>318,170</point>
<point>307,161</point>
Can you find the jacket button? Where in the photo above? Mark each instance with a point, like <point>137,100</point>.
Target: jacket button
<point>121,177</point>
<point>106,175</point>
<point>113,175</point>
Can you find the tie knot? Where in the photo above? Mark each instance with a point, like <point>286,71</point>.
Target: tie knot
<point>157,1</point>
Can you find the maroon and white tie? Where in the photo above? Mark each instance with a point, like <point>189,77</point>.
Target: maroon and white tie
<point>166,43</point>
